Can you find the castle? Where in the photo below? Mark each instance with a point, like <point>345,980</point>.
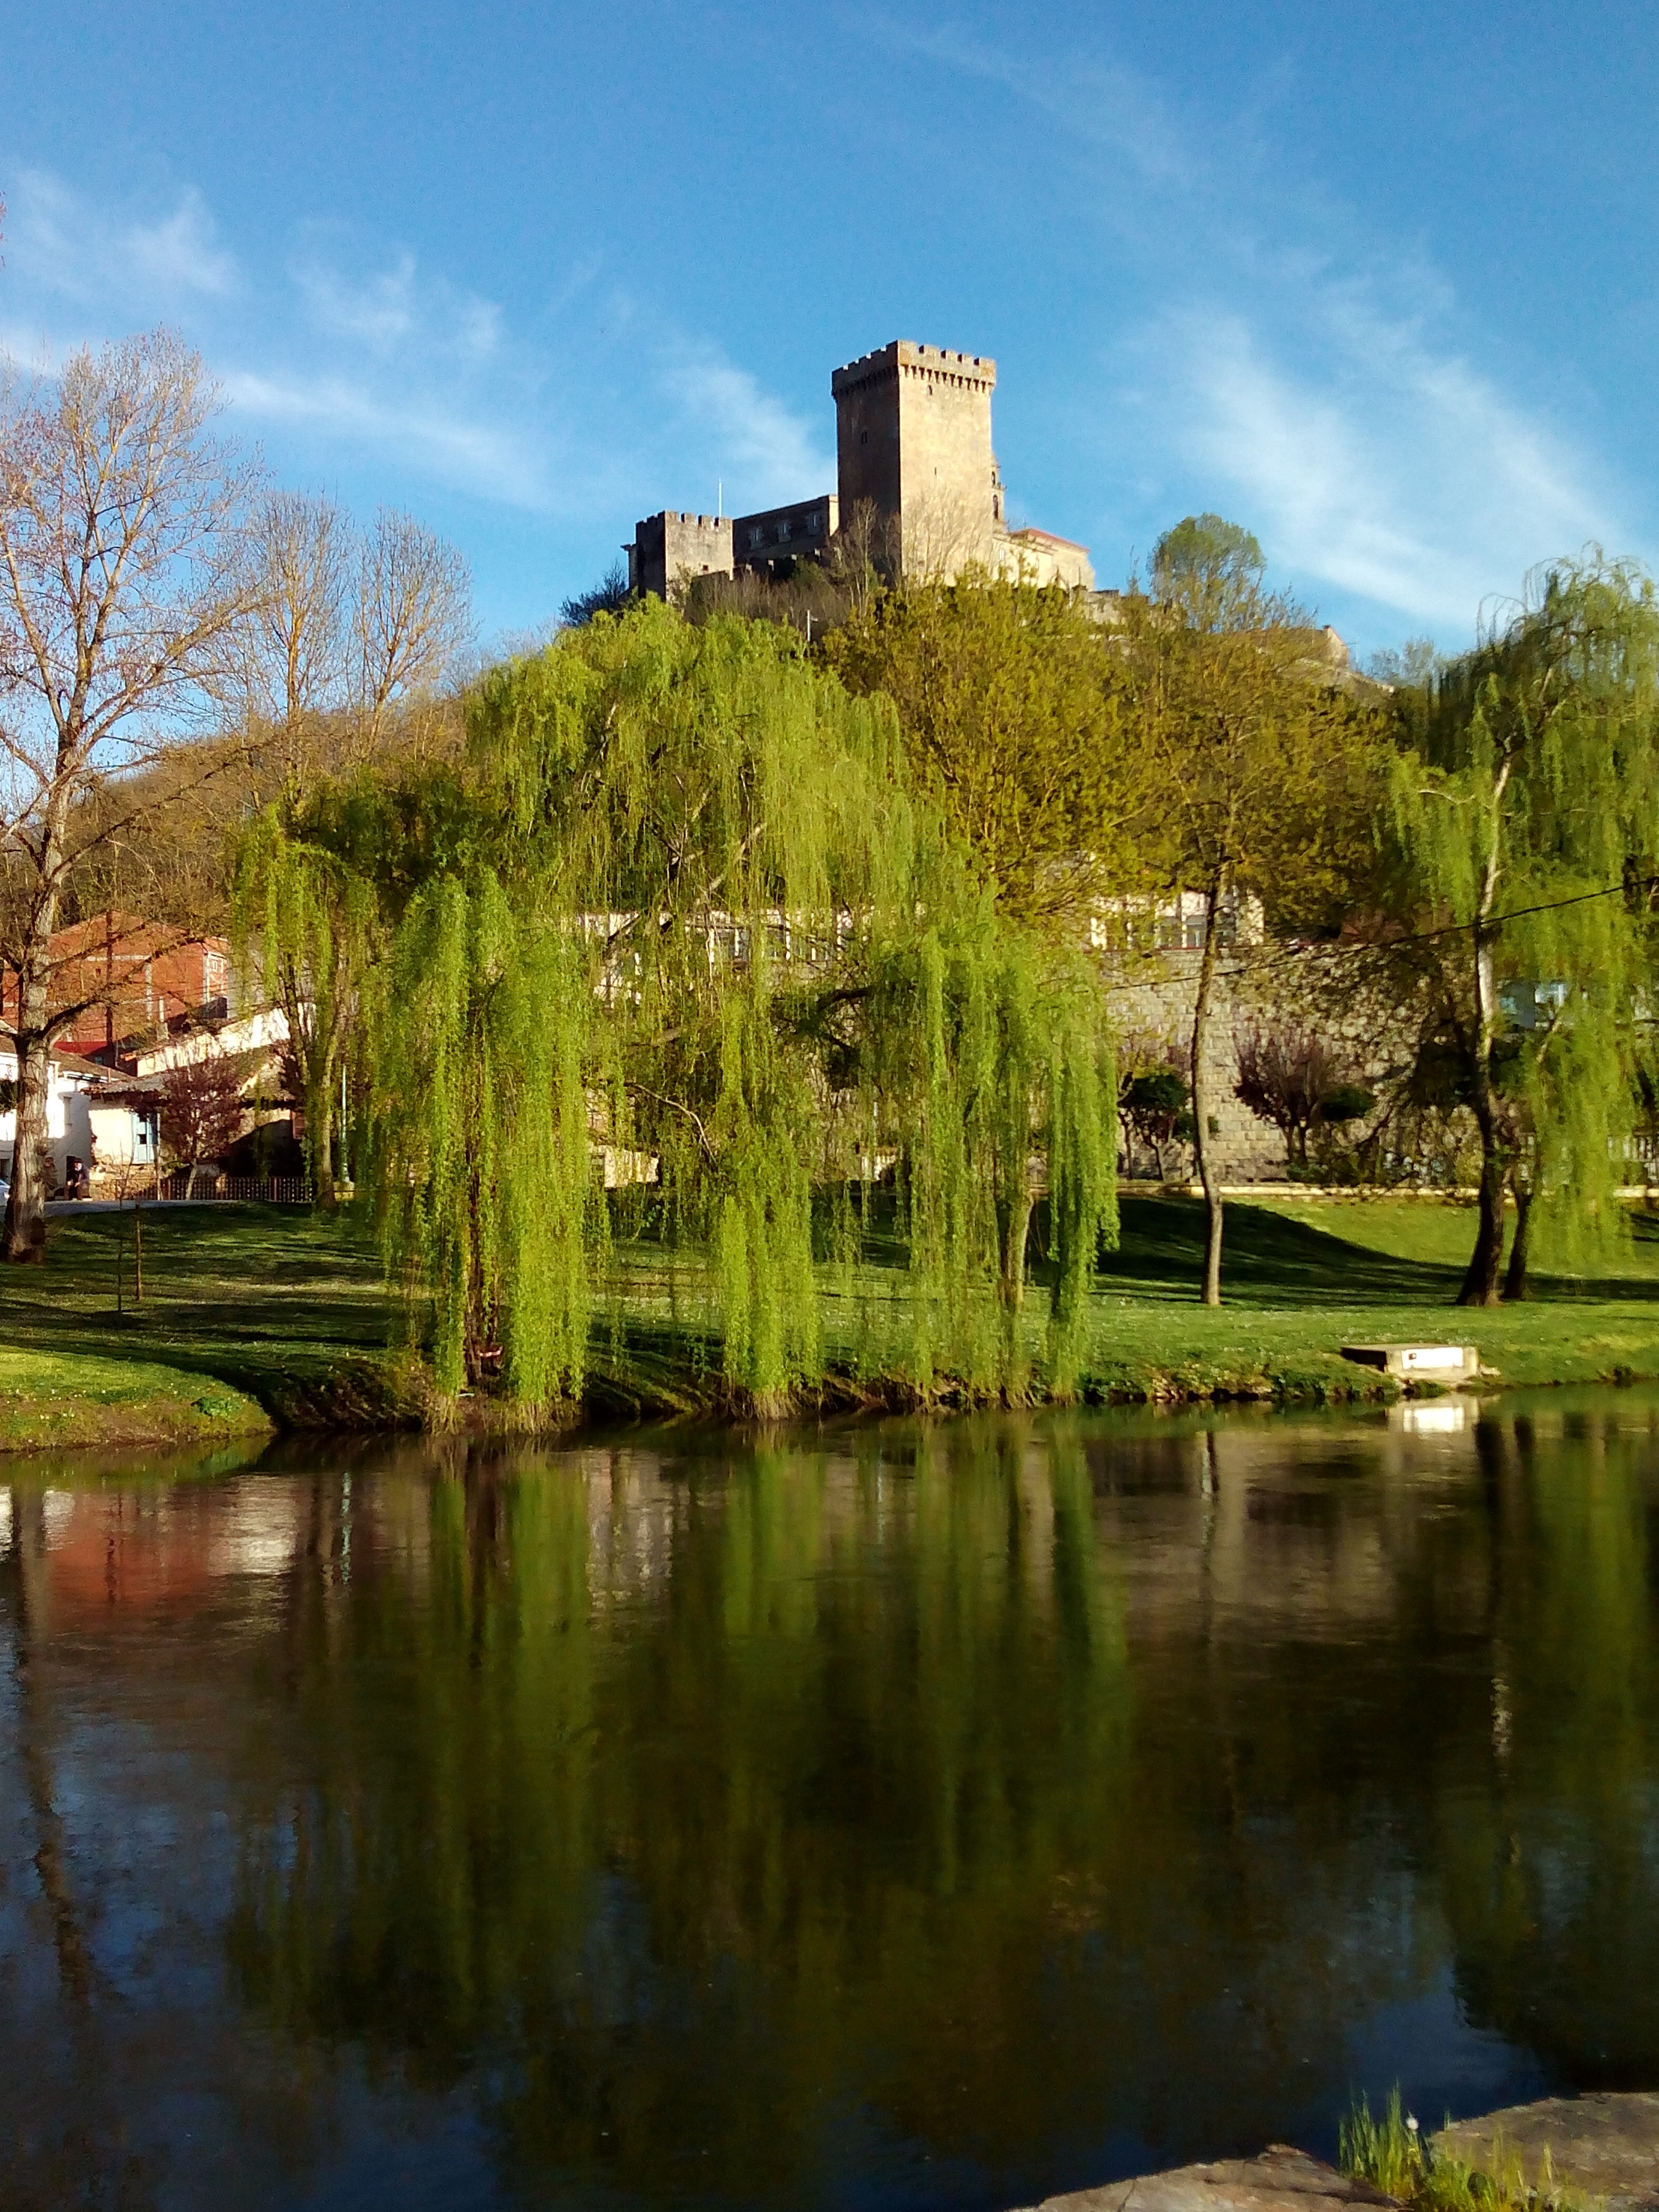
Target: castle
<point>918,489</point>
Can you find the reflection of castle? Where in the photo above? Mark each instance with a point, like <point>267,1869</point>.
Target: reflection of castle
<point>919,490</point>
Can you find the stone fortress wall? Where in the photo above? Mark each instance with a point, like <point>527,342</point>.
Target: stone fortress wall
<point>913,455</point>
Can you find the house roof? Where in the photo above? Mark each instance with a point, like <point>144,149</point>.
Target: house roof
<point>1049,538</point>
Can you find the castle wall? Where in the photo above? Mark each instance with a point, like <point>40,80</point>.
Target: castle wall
<point>1038,556</point>
<point>670,548</point>
<point>801,531</point>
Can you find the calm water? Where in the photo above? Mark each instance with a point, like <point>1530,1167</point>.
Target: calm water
<point>885,1817</point>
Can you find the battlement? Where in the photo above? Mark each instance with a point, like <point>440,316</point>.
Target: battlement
<point>669,549</point>
<point>904,357</point>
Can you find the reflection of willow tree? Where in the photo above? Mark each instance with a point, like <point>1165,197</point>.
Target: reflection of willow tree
<point>856,1800</point>
<point>691,1871</point>
<point>1553,1882</point>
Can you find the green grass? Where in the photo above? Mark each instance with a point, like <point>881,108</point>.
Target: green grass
<point>288,1309</point>
<point>1390,2153</point>
<point>54,1400</point>
<point>265,1304</point>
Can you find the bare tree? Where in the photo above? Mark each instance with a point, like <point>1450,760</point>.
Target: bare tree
<point>412,616</point>
<point>287,662</point>
<point>120,533</point>
<point>342,627</point>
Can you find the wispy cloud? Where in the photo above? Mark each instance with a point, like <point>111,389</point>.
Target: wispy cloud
<point>393,306</point>
<point>76,249</point>
<point>767,453</point>
<point>421,434</point>
<point>1265,348</point>
<point>1372,459</point>
<point>1096,100</point>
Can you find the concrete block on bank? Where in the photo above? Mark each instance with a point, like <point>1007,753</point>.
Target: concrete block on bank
<point>1419,1362</point>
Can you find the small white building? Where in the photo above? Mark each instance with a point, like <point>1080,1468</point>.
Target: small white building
<point>68,1128</point>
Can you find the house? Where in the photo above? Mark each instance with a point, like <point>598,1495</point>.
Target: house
<point>130,976</point>
<point>71,1082</point>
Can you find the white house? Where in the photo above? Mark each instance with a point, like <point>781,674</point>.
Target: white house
<point>69,1125</point>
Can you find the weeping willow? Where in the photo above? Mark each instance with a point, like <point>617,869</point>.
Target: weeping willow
<point>681,924</point>
<point>1526,818</point>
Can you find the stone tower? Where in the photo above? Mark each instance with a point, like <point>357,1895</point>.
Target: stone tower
<point>912,440</point>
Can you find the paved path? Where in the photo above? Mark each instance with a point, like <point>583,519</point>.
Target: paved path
<point>1607,2146</point>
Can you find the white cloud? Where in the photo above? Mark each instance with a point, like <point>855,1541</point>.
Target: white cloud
<point>397,307</point>
<point>1324,383</point>
<point>181,252</point>
<point>767,455</point>
<point>488,458</point>
<point>80,250</point>
<point>1378,463</point>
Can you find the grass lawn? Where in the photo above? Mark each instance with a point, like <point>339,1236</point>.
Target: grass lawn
<point>1302,1279</point>
<point>255,1303</point>
<point>266,1304</point>
<point>52,1400</point>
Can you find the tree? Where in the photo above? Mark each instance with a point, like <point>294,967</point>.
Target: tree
<point>1263,768</point>
<point>682,897</point>
<point>120,532</point>
<point>342,627</point>
<point>1524,816</point>
<point>608,597</point>
<point>203,1107</point>
<point>1288,1075</point>
<point>1152,1107</point>
<point>1015,710</point>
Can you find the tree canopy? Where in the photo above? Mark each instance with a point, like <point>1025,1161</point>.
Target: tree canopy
<point>684,913</point>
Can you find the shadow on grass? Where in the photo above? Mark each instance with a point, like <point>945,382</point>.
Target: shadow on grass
<point>1270,1259</point>
<point>274,1302</point>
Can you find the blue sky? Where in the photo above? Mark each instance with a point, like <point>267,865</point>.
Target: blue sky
<point>1380,282</point>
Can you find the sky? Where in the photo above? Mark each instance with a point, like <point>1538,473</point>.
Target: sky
<point>1380,282</point>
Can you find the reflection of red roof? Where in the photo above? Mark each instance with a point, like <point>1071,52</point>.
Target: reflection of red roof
<point>1049,538</point>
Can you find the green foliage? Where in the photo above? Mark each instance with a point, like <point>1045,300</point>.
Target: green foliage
<point>1521,816</point>
<point>681,912</point>
<point>1012,701</point>
<point>1208,567</point>
<point>1386,2152</point>
<point>1391,2154</point>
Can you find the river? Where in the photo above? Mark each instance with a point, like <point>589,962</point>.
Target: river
<point>887,1816</point>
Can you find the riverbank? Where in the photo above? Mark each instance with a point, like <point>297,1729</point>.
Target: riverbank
<point>1560,2154</point>
<point>53,1401</point>
<point>288,1312</point>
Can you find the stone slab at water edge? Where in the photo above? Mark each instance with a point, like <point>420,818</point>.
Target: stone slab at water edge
<point>1607,2146</point>
<point>1280,2180</point>
<point>1419,1363</point>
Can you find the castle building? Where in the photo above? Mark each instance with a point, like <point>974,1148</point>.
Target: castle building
<point>917,480</point>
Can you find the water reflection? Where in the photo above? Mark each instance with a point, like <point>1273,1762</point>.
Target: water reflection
<point>900,1815</point>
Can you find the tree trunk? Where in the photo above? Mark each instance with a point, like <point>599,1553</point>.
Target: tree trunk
<point>1208,1173</point>
<point>24,1235</point>
<point>1480,1282</point>
<point>1013,1227</point>
<point>1514,1279</point>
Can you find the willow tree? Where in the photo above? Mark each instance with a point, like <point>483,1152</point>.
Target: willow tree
<point>1264,767</point>
<point>1525,815</point>
<point>681,912</point>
